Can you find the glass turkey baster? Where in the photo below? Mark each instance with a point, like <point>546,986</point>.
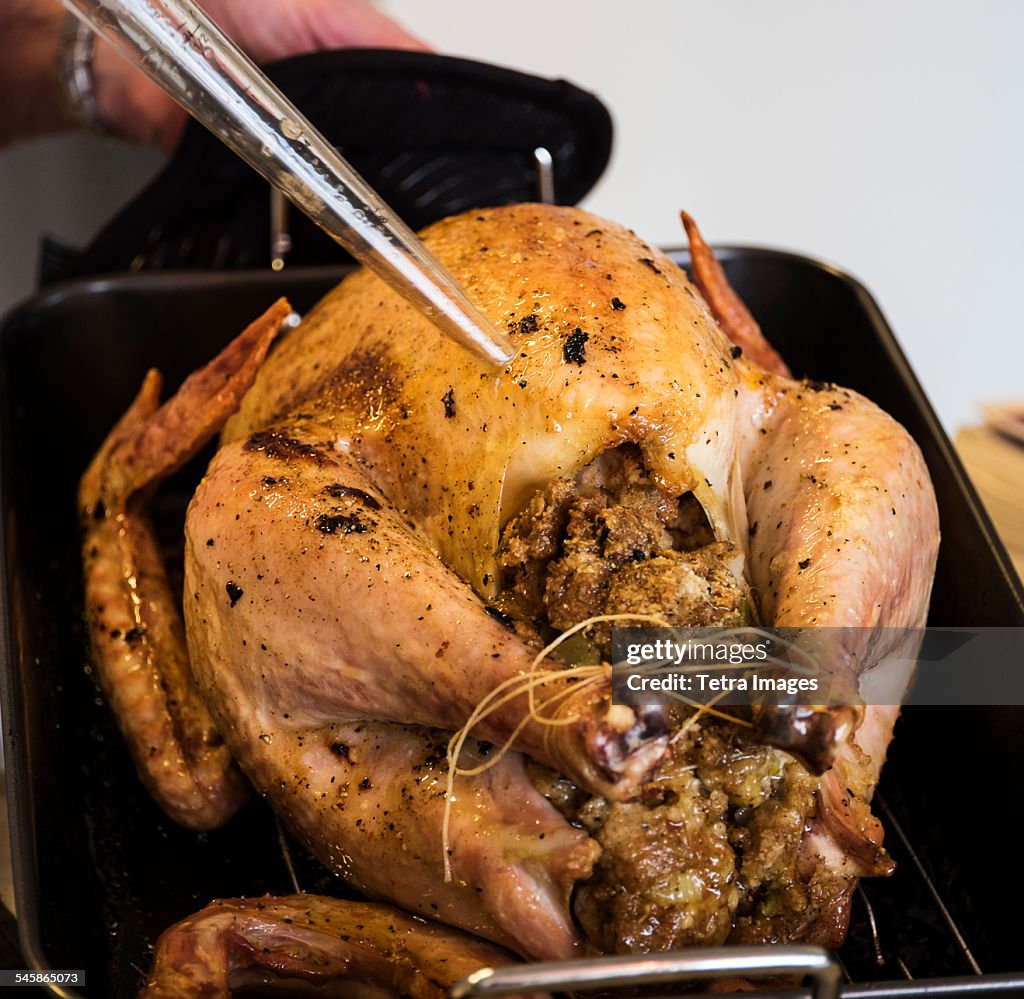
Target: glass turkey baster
<point>178,46</point>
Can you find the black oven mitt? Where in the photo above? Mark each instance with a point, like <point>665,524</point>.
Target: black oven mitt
<point>432,134</point>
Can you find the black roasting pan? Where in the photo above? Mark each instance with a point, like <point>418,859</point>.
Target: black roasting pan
<point>99,872</point>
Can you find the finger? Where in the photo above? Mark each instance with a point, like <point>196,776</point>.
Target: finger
<point>137,108</point>
<point>133,105</point>
<point>274,29</point>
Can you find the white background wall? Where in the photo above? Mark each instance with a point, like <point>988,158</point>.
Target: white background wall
<point>887,137</point>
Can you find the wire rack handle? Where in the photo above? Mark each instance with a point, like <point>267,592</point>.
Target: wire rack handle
<point>659,969</point>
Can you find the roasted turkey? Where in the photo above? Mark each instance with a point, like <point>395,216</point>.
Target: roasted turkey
<point>390,533</point>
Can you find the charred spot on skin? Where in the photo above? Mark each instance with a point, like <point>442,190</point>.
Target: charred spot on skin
<point>617,304</point>
<point>337,491</point>
<point>234,592</point>
<point>275,443</point>
<point>574,349</point>
<point>340,523</point>
<point>528,324</point>
<point>133,635</point>
<point>448,399</point>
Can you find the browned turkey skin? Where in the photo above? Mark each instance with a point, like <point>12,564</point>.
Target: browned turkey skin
<point>312,946</point>
<point>389,532</point>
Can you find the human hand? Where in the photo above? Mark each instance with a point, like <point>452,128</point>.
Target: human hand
<point>135,107</point>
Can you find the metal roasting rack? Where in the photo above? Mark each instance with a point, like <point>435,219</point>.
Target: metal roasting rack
<point>660,969</point>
